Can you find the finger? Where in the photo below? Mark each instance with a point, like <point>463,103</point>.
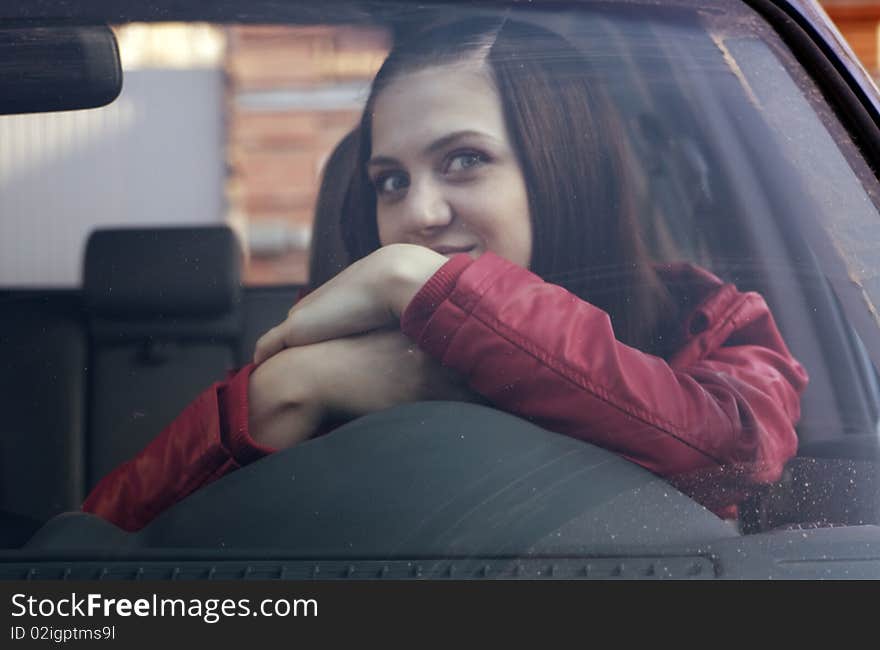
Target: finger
<point>332,316</point>
<point>268,345</point>
<point>273,342</point>
<point>301,327</point>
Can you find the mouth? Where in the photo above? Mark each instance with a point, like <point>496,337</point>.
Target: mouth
<point>449,251</point>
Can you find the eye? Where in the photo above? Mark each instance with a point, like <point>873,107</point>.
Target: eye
<point>465,160</point>
<point>390,183</point>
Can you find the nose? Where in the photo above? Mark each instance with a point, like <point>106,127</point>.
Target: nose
<point>427,208</point>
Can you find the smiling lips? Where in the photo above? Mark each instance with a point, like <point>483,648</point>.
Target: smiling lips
<point>452,250</point>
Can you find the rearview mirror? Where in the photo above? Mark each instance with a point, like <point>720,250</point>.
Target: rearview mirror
<point>57,68</point>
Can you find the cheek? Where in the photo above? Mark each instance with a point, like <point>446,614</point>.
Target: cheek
<point>504,208</point>
<point>504,221</point>
<point>385,226</point>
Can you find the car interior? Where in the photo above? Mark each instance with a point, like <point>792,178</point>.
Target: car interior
<point>91,374</point>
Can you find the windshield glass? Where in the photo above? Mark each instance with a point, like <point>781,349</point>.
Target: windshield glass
<point>641,227</point>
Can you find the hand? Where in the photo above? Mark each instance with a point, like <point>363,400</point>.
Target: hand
<point>371,372</point>
<point>370,294</point>
<point>296,390</point>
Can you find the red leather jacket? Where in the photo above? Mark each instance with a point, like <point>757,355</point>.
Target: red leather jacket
<point>723,406</point>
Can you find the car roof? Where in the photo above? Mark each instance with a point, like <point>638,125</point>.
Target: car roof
<point>809,14</point>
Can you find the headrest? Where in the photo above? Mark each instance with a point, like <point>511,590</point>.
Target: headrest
<point>145,273</point>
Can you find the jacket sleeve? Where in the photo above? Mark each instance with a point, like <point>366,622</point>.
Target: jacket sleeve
<point>729,398</point>
<point>207,440</point>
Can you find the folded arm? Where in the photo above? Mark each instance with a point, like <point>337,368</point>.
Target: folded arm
<point>729,397</point>
<point>296,394</point>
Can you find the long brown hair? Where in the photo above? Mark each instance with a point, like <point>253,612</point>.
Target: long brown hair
<point>569,145</point>
<point>328,255</point>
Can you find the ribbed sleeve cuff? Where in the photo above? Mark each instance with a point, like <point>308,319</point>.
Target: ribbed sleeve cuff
<point>234,409</point>
<point>437,289</point>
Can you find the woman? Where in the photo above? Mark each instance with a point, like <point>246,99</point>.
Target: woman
<point>497,260</point>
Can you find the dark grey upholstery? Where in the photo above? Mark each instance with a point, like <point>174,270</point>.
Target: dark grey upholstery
<point>165,319</point>
<point>148,273</point>
<point>43,372</point>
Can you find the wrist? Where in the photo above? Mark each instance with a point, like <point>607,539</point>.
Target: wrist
<point>285,406</point>
<point>411,268</point>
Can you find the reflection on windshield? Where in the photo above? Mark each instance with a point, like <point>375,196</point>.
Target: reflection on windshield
<point>643,231</point>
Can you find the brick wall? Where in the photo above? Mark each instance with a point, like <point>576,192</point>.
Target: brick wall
<point>293,93</point>
<point>859,22</point>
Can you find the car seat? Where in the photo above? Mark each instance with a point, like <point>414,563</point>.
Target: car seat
<point>164,315</point>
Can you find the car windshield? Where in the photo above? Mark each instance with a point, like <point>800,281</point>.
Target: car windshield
<point>636,227</point>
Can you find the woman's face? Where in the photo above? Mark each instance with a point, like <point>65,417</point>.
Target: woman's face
<point>445,173</point>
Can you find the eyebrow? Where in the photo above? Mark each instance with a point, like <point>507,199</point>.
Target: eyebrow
<point>439,143</point>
